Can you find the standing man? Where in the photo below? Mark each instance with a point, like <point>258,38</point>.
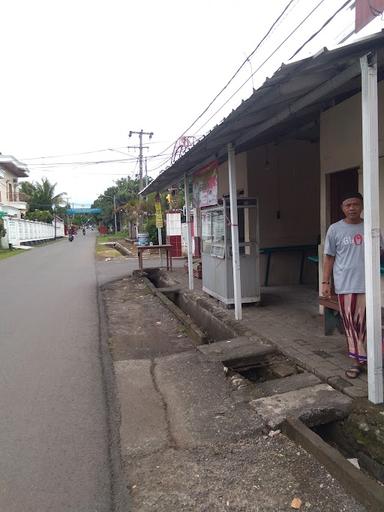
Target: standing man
<point>344,256</point>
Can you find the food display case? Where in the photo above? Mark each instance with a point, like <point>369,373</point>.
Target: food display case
<point>216,250</point>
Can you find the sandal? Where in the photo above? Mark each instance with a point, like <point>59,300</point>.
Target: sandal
<point>353,372</point>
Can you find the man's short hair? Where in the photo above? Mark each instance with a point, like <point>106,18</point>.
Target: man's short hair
<point>351,195</point>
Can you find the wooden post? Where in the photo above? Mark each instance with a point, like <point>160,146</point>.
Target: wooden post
<point>234,232</point>
<point>372,226</point>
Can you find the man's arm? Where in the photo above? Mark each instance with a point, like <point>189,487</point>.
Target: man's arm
<point>327,273</point>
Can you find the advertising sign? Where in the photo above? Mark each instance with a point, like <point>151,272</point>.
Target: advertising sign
<point>159,215</point>
<point>205,186</point>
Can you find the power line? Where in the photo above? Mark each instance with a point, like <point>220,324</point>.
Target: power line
<point>62,155</point>
<point>72,154</point>
<point>261,65</point>
<point>264,62</point>
<point>92,162</point>
<point>321,28</point>
<point>278,19</point>
<point>241,65</point>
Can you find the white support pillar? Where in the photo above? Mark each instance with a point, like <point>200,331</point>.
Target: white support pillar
<point>189,231</point>
<point>234,232</point>
<point>372,226</point>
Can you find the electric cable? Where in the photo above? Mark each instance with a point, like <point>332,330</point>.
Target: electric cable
<point>63,155</point>
<point>321,28</point>
<point>261,65</point>
<point>281,15</point>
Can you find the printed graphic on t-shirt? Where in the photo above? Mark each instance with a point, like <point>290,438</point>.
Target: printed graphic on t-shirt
<point>355,240</point>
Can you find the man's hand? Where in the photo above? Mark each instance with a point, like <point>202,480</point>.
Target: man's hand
<point>326,290</point>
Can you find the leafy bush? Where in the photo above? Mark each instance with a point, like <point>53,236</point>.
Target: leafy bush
<point>3,231</point>
<point>40,215</point>
<point>151,229</point>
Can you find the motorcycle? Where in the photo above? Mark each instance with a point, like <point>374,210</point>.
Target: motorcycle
<point>70,238</point>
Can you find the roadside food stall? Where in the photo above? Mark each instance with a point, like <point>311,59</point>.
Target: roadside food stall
<point>217,250</point>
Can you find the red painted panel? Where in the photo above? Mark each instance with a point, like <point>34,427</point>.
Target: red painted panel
<point>366,11</point>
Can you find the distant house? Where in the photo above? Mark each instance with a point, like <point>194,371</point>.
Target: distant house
<point>10,172</point>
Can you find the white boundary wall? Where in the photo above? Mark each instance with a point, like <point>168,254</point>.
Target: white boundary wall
<point>21,230</point>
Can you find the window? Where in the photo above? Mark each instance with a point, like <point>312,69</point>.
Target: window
<point>10,192</point>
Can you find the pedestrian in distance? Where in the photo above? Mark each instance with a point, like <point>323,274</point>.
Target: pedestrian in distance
<point>83,231</point>
<point>344,259</point>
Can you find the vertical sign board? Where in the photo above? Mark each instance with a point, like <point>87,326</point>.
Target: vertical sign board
<point>159,215</point>
<point>205,186</point>
<point>366,11</point>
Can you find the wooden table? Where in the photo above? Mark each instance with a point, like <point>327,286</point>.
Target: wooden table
<point>166,247</point>
<point>290,248</point>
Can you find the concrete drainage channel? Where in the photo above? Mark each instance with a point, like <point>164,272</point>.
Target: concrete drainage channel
<point>285,395</point>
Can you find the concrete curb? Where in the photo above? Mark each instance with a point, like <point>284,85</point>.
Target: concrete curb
<point>197,335</point>
<point>364,489</point>
<point>123,250</point>
<point>119,492</point>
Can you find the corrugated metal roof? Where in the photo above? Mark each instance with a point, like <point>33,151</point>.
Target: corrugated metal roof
<point>294,95</point>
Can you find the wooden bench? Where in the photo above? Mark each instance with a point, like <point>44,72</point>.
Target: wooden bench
<point>332,318</point>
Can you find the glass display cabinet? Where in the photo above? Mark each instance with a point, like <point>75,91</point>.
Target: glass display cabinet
<point>216,254</point>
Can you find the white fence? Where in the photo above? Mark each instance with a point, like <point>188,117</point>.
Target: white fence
<point>21,230</point>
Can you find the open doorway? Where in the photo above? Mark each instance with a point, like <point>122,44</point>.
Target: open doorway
<point>341,182</point>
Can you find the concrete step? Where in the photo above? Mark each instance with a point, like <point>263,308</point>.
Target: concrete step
<point>168,289</point>
<point>236,352</point>
<point>254,391</point>
<point>314,405</point>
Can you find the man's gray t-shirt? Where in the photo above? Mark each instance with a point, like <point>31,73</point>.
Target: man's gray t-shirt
<point>346,243</point>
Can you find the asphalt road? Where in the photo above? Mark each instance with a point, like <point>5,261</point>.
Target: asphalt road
<point>54,443</point>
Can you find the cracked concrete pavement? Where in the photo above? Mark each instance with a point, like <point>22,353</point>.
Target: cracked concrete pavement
<point>187,443</point>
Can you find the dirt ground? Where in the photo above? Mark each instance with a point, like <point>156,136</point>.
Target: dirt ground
<point>186,444</point>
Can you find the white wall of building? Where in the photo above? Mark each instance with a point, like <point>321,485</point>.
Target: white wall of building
<point>22,231</point>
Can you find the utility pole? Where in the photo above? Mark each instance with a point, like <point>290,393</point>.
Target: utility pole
<point>114,207</point>
<point>138,147</point>
<point>141,133</point>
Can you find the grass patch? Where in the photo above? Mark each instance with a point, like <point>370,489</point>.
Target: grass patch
<point>103,251</point>
<point>6,253</point>
<point>120,235</point>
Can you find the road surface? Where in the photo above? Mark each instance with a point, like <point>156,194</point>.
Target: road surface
<point>54,441</point>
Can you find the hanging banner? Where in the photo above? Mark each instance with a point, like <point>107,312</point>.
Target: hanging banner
<point>159,215</point>
<point>82,211</point>
<point>205,186</point>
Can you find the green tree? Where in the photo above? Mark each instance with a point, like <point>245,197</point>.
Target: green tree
<point>41,195</point>
<point>126,192</point>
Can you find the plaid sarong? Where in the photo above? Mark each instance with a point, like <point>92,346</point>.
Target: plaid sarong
<point>352,311</point>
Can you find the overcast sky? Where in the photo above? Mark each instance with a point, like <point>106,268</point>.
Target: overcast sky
<point>78,75</point>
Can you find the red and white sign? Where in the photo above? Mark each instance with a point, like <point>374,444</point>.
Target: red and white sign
<point>366,11</point>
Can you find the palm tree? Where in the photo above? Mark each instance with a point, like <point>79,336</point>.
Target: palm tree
<point>41,196</point>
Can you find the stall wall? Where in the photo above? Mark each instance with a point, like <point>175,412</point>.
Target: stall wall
<point>341,148</point>
<point>241,176</point>
<point>340,134</point>
<point>285,179</point>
